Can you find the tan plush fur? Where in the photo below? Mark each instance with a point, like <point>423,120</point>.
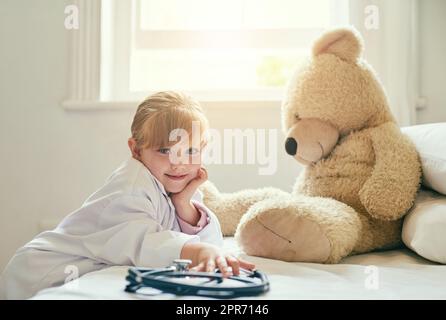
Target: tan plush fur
<point>349,201</point>
<point>230,207</point>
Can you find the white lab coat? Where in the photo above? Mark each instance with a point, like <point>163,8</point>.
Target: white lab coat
<point>128,221</point>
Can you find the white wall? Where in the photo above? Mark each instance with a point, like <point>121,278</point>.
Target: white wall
<point>433,60</point>
<point>52,159</point>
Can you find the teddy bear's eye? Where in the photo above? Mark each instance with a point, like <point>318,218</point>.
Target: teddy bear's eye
<point>296,116</point>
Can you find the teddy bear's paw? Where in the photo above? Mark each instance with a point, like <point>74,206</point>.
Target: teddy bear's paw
<point>282,232</point>
<point>210,191</point>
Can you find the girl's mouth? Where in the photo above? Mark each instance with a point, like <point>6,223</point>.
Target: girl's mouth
<point>176,177</point>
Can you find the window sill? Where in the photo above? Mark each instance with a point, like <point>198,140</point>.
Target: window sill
<point>96,105</point>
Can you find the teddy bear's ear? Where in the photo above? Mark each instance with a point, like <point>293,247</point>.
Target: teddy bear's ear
<point>346,43</point>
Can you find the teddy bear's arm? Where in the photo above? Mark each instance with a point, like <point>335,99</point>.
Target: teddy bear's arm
<point>390,190</point>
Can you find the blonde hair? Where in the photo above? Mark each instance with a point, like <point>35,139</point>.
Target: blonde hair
<point>162,112</point>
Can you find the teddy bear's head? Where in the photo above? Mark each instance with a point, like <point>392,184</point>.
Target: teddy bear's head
<point>332,94</point>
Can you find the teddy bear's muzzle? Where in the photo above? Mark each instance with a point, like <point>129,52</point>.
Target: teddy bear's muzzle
<point>311,139</point>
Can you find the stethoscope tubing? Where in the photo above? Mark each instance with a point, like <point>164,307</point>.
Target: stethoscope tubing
<point>139,278</point>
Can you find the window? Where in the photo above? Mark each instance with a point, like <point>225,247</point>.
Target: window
<point>213,49</point>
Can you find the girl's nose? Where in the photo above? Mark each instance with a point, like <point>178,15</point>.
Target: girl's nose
<point>179,164</point>
<point>178,159</point>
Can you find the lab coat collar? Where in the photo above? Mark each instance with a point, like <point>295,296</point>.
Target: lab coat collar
<point>159,184</point>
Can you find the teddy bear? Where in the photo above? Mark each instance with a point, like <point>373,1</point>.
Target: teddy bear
<point>360,175</point>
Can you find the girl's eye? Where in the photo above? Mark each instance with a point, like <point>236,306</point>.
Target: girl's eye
<point>164,150</point>
<point>192,151</point>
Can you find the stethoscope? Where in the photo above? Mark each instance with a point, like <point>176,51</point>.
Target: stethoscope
<point>176,279</point>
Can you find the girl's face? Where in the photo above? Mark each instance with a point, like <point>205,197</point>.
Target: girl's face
<point>173,166</point>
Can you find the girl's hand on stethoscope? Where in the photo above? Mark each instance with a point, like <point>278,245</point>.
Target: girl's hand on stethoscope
<point>210,257</point>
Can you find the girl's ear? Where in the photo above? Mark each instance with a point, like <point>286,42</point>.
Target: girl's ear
<point>134,149</point>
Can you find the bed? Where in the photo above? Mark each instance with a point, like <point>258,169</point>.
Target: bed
<point>395,274</point>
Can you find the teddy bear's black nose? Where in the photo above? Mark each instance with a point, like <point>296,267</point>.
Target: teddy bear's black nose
<point>291,146</point>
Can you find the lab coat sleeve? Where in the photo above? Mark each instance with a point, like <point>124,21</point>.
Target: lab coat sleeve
<point>211,233</point>
<point>129,234</point>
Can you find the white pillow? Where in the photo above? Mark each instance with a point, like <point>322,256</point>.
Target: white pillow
<point>430,141</point>
<point>424,227</point>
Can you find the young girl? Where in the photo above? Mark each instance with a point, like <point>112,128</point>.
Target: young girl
<point>148,213</point>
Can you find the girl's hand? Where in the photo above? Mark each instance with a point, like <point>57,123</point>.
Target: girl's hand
<point>187,193</point>
<point>207,257</point>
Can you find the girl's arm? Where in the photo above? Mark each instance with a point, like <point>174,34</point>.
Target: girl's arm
<point>189,204</point>
<point>187,212</point>
<point>182,200</point>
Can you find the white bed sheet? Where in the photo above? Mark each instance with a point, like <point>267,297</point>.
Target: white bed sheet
<point>400,274</point>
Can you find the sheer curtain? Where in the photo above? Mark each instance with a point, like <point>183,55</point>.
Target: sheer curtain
<point>390,31</point>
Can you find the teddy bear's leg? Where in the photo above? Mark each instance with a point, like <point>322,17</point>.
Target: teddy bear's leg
<point>230,207</point>
<point>299,228</point>
<point>378,234</point>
